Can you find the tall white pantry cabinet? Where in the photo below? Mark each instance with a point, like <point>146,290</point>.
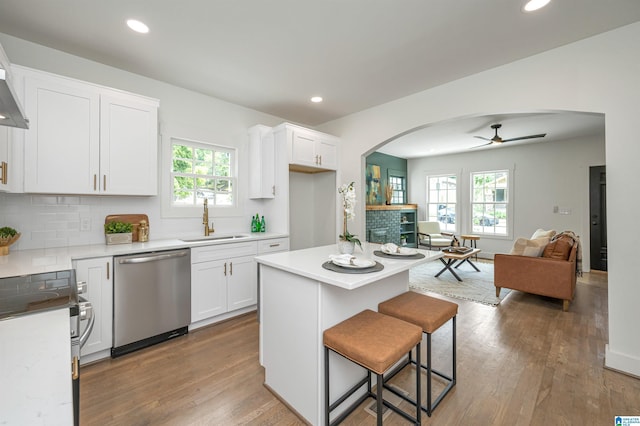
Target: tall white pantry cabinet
<point>87,139</point>
<point>295,170</point>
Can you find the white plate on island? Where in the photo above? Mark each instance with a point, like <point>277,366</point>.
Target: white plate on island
<point>355,263</point>
<point>402,252</point>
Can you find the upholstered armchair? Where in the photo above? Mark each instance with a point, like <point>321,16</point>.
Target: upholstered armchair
<point>430,235</point>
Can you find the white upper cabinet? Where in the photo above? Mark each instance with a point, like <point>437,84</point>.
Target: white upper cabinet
<point>128,145</point>
<point>88,139</point>
<point>309,150</point>
<point>262,162</point>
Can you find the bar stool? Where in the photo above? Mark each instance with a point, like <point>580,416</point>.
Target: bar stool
<point>430,314</point>
<point>375,342</point>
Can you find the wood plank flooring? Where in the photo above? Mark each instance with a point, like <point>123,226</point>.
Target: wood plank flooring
<point>523,363</point>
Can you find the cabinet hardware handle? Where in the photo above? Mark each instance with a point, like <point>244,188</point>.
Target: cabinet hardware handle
<point>74,368</point>
<point>104,182</point>
<point>273,190</point>
<point>320,159</point>
<point>316,159</point>
<point>274,245</point>
<point>225,269</point>
<point>230,268</point>
<point>107,270</point>
<point>95,182</point>
<point>3,176</point>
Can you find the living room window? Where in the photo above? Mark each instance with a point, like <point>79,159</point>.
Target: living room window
<point>442,192</point>
<point>200,171</point>
<point>398,185</point>
<point>490,202</point>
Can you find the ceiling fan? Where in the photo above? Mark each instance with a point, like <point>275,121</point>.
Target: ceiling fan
<point>498,140</point>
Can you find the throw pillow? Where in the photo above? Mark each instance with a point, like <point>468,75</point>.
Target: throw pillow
<point>541,233</point>
<point>530,248</point>
<point>559,249</point>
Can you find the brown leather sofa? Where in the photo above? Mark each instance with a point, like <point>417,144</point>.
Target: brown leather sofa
<point>552,275</point>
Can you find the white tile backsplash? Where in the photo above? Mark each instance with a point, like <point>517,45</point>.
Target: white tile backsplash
<point>47,221</point>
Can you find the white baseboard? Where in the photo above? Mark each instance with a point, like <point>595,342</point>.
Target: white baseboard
<point>623,363</point>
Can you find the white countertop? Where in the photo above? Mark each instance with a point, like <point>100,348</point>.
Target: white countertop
<point>26,262</point>
<point>308,263</point>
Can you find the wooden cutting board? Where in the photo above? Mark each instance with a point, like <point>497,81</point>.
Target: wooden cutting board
<point>133,219</point>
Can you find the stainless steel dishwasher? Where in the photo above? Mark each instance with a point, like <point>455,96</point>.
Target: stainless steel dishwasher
<point>151,299</point>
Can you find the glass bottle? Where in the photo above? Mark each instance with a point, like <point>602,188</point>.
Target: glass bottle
<point>263,226</point>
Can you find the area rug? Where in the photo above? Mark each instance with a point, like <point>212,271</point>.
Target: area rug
<point>475,286</point>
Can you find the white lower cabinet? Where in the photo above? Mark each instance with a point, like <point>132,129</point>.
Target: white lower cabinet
<point>97,274</point>
<point>223,279</point>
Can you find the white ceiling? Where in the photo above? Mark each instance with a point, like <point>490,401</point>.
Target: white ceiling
<point>273,55</point>
<point>458,135</point>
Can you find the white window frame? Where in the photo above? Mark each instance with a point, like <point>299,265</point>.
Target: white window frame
<point>508,202</point>
<point>170,209</point>
<point>399,194</point>
<point>455,228</point>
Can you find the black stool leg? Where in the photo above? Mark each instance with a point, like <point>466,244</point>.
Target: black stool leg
<point>428,374</point>
<point>379,400</point>
<point>418,387</point>
<point>326,387</point>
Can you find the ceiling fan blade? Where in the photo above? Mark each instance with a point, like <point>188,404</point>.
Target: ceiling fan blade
<point>541,135</point>
<point>484,144</point>
<point>483,138</point>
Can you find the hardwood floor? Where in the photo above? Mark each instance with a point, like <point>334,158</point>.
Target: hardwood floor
<point>523,363</point>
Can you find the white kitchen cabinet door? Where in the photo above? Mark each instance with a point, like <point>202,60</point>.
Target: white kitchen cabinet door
<point>309,151</point>
<point>327,152</point>
<point>97,275</point>
<point>242,283</point>
<point>208,289</point>
<point>62,143</point>
<point>262,162</point>
<point>303,150</point>
<point>4,158</point>
<point>128,145</point>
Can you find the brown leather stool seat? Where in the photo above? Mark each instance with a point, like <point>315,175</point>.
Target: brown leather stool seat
<point>376,342</point>
<point>430,314</point>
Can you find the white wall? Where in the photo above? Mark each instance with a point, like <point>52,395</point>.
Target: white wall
<point>600,74</point>
<point>50,221</point>
<point>312,206</point>
<point>546,174</point>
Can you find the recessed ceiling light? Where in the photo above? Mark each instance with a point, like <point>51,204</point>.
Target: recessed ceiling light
<point>316,99</point>
<point>2,117</point>
<point>137,26</point>
<point>532,5</point>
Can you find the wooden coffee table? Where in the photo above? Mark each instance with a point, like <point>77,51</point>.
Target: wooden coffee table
<point>450,260</point>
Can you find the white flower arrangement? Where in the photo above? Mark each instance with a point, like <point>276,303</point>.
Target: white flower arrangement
<point>348,206</point>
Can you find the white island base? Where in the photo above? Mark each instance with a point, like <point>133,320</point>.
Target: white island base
<point>298,301</point>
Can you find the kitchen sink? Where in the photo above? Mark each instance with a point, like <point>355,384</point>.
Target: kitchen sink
<point>216,238</point>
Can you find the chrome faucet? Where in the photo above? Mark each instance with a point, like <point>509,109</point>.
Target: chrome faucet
<point>205,220</point>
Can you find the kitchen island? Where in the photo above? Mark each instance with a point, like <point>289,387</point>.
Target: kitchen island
<point>299,299</point>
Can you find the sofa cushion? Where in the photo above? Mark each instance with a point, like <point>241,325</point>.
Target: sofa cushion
<point>531,248</point>
<point>559,249</point>
<point>541,233</point>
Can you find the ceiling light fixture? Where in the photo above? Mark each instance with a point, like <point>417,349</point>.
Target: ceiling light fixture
<point>316,99</point>
<point>137,26</point>
<point>532,5</point>
<point>2,117</point>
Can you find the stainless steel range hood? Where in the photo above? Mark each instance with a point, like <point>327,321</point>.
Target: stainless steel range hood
<point>11,112</point>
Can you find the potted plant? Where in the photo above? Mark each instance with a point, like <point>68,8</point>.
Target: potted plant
<point>118,232</point>
<point>8,236</point>
<point>347,241</point>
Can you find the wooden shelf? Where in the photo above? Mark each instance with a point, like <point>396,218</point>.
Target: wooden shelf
<point>392,207</point>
